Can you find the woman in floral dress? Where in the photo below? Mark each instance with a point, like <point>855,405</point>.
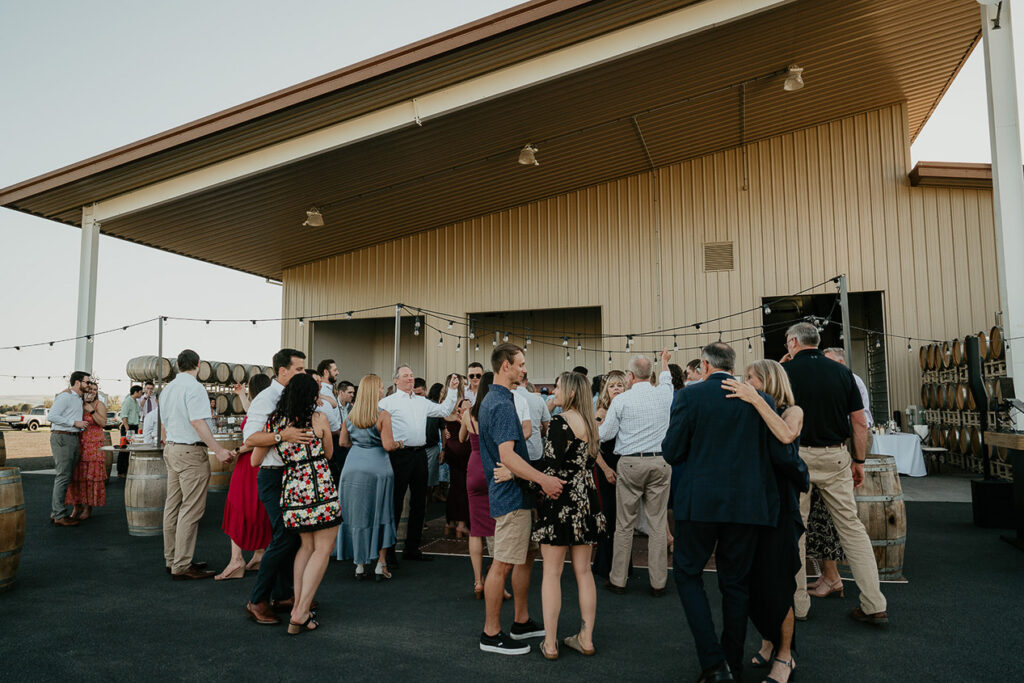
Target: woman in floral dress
<point>88,487</point>
<point>309,496</point>
<point>573,520</point>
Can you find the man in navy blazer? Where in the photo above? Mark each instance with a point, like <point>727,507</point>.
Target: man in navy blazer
<point>726,491</point>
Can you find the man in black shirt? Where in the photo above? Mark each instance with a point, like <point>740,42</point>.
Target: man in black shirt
<point>833,409</point>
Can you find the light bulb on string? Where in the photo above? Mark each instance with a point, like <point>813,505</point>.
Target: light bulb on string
<point>696,326</point>
<point>450,323</point>
<point>767,309</point>
<point>878,343</point>
<point>565,341</point>
<point>579,344</point>
<point>440,342</point>
<point>504,338</point>
<point>348,316</point>
<point>763,340</point>
<point>567,357</point>
<point>472,334</point>
<point>122,329</point>
<point>88,338</point>
<point>750,347</point>
<point>458,346</point>
<point>416,328</point>
<point>301,322</point>
<point>254,323</point>
<point>528,340</point>
<point>18,348</point>
<point>494,342</point>
<point>909,347</point>
<point>609,359</point>
<point>675,345</point>
<point>477,347</point>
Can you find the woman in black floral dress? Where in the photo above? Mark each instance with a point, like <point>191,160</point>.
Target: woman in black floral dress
<point>574,520</point>
<point>309,495</point>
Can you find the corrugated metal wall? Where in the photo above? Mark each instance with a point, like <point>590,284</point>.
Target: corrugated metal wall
<point>821,201</point>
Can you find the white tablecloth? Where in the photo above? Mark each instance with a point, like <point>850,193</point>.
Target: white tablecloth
<point>906,448</point>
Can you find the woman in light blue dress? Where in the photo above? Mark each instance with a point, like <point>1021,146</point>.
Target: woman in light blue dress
<point>367,483</point>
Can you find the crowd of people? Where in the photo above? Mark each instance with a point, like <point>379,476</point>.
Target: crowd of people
<point>742,466</point>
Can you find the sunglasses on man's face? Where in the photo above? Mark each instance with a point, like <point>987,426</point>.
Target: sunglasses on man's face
<point>475,376</point>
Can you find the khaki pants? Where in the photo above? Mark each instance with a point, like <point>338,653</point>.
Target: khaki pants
<point>830,473</point>
<point>188,473</point>
<point>641,481</point>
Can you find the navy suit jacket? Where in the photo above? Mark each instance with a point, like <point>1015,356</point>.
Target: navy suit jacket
<point>729,455</point>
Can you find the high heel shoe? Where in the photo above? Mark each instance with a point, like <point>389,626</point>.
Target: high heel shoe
<point>826,589</point>
<point>310,624</point>
<point>381,573</point>
<point>792,670</point>
<point>237,574</point>
<point>360,572</point>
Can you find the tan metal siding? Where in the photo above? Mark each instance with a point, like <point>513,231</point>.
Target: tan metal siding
<point>821,201</point>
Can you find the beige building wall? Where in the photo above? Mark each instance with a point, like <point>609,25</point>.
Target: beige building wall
<point>819,202</point>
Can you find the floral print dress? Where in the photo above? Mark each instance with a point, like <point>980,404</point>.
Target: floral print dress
<point>575,517</point>
<point>309,496</point>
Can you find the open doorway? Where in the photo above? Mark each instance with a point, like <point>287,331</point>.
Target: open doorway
<point>867,350</point>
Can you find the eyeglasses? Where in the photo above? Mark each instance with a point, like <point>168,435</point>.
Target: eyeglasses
<point>475,376</point>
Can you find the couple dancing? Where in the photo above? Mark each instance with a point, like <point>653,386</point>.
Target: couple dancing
<point>737,497</point>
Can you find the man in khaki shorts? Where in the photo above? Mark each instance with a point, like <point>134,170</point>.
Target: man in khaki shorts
<point>502,442</point>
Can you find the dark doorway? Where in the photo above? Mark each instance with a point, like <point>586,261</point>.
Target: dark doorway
<point>867,341</point>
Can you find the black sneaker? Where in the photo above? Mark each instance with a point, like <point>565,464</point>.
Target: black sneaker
<point>527,629</point>
<point>500,644</point>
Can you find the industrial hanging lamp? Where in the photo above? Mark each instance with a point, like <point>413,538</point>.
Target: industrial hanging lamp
<point>314,219</point>
<point>528,155</point>
<point>794,79</point>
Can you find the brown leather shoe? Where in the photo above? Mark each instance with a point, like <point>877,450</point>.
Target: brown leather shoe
<point>261,613</point>
<point>193,574</point>
<point>657,592</point>
<point>618,590</point>
<point>287,604</point>
<point>64,521</point>
<point>857,614</point>
<point>195,565</point>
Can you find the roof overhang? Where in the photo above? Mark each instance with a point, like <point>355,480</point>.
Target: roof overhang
<point>429,134</point>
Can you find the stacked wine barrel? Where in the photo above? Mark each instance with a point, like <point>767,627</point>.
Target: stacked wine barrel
<point>218,377</point>
<point>952,414</point>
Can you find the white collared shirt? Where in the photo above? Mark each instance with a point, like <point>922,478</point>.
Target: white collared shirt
<point>184,400</point>
<point>333,414</point>
<point>66,411</point>
<point>639,417</point>
<point>409,414</point>
<point>149,427</point>
<point>471,395</point>
<point>146,405</point>
<point>538,414</point>
<point>260,410</point>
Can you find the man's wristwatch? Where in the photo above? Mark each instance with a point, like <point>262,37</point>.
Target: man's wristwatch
<point>277,437</point>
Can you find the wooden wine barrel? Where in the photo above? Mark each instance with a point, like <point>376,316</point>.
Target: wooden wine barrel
<point>236,405</point>
<point>957,350</point>
<point>983,345</point>
<point>942,436</point>
<point>145,492</point>
<point>964,398</point>
<point>3,450</point>
<point>995,343</point>
<point>220,473</point>
<point>925,397</point>
<point>946,352</point>
<point>222,403</point>
<point>12,524</point>
<point>965,440</point>
<point>252,370</point>
<point>205,373</point>
<point>953,440</point>
<point>951,397</point>
<point>155,368</point>
<point>221,372</point>
<point>974,439</point>
<point>880,507</point>
<point>238,373</point>
<point>922,355</point>
<point>269,371</point>
<point>933,357</point>
<point>934,433</point>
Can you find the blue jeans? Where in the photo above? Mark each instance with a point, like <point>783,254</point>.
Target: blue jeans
<point>734,557</point>
<point>274,579</point>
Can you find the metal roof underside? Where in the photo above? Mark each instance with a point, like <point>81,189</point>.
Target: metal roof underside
<point>857,55</point>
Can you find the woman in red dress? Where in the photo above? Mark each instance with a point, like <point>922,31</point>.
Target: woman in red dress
<point>88,487</point>
<point>245,520</point>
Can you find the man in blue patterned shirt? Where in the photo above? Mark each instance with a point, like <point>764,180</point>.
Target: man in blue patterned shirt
<point>502,442</point>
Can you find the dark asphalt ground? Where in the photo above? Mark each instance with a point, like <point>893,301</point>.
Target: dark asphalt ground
<point>92,603</point>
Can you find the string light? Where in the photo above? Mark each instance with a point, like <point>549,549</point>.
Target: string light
<point>472,334</point>
<point>909,347</point>
<point>609,359</point>
<point>675,345</point>
<point>750,347</point>
<point>348,316</point>
<point>416,328</point>
<point>579,344</point>
<point>477,347</point>
<point>565,341</point>
<point>254,323</point>
<point>458,347</point>
<point>528,340</point>
<point>696,326</point>
<point>88,338</point>
<point>301,322</point>
<point>878,342</point>
<point>767,309</point>
<point>450,323</point>
<point>567,357</point>
<point>17,348</point>
<point>440,341</point>
<point>505,337</point>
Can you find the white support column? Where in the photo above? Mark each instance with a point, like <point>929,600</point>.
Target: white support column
<point>1007,176</point>
<point>87,269</point>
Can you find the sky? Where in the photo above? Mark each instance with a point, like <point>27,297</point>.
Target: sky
<point>83,78</point>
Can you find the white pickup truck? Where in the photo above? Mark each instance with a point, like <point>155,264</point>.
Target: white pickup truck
<point>32,420</point>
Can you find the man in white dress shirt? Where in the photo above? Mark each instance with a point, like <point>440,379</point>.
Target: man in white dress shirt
<point>65,424</point>
<point>273,586</point>
<point>538,416</point>
<point>409,414</point>
<point>185,410</point>
<point>147,402</point>
<point>639,418</point>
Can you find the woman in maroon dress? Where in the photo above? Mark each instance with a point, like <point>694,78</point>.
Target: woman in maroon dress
<point>456,455</point>
<point>245,520</point>
<point>88,487</point>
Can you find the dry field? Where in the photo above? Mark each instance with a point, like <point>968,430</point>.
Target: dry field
<point>23,444</point>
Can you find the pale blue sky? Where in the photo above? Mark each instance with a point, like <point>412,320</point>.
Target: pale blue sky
<point>81,78</point>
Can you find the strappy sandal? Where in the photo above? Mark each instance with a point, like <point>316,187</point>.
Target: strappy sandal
<point>573,642</point>
<point>295,629</point>
<point>759,662</point>
<point>792,670</point>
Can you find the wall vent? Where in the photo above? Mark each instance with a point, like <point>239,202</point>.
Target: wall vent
<point>718,256</point>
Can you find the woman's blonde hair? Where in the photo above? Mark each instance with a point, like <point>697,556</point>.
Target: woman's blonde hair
<point>576,396</point>
<point>364,410</point>
<point>605,399</point>
<point>448,381</point>
<point>774,381</point>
